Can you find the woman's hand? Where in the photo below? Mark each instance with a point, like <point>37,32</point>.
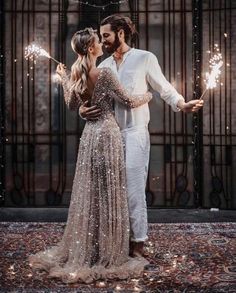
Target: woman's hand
<point>191,106</point>
<point>61,69</point>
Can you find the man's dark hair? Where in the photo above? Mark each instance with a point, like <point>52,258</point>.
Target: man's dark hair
<point>119,22</point>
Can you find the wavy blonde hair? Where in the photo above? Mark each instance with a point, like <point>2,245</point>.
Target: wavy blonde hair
<point>80,43</point>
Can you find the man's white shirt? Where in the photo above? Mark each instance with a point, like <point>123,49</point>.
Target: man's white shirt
<point>138,71</point>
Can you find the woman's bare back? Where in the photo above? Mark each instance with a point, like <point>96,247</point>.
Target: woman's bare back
<point>92,79</point>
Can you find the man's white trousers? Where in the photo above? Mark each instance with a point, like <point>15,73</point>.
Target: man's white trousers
<point>137,149</point>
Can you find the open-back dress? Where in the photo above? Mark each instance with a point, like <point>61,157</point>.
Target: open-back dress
<point>95,242</point>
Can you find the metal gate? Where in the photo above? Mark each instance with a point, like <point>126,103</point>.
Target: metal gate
<point>192,156</point>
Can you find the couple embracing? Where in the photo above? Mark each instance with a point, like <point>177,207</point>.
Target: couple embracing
<point>107,219</point>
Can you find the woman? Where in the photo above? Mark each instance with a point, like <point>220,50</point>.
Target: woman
<point>95,243</point>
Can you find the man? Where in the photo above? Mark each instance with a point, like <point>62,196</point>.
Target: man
<point>136,71</point>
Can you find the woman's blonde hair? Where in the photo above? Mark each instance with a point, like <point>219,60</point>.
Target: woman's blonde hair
<point>80,43</point>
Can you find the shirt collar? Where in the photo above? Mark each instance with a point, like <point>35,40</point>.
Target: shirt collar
<point>125,55</point>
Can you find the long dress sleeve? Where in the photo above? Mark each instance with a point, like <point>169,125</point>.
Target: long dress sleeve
<point>72,99</point>
<point>159,83</point>
<point>118,93</point>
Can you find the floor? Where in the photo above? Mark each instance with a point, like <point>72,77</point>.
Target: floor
<point>154,215</point>
<point>183,258</point>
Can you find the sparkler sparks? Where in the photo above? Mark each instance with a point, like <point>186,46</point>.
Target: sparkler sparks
<point>34,51</point>
<point>212,77</point>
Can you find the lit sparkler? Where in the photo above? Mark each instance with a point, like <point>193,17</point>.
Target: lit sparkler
<point>33,51</point>
<point>212,78</point>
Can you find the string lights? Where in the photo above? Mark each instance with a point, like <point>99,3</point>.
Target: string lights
<point>101,6</point>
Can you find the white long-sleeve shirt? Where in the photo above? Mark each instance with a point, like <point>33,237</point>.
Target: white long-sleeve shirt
<point>139,70</point>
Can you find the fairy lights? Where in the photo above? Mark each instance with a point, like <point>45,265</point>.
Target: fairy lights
<point>103,7</point>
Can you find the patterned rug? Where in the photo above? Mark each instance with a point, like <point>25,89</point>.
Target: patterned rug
<point>199,257</point>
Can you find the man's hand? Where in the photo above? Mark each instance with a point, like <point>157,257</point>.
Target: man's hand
<point>191,106</point>
<point>89,113</point>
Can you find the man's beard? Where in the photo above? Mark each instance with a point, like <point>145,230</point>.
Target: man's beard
<point>111,48</point>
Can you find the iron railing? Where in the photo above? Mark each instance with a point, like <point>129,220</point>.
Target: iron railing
<point>192,156</point>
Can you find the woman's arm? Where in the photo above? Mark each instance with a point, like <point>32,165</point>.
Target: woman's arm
<point>72,100</point>
<point>117,92</point>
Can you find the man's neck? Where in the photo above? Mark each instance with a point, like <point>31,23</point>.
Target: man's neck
<point>119,53</point>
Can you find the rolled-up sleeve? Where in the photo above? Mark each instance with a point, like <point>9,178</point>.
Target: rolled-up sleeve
<point>159,83</point>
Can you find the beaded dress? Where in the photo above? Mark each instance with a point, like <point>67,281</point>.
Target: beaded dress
<point>95,242</point>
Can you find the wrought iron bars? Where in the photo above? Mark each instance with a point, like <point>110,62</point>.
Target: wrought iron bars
<point>197,117</point>
<point>2,106</point>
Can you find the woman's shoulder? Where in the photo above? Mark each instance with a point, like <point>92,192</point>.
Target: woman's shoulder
<point>106,69</point>
<point>106,72</point>
<point>96,72</point>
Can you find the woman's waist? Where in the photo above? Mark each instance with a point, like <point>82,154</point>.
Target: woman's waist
<point>104,126</point>
<point>103,119</point>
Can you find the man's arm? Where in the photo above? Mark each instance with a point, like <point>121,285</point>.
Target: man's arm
<point>89,113</point>
<point>167,92</point>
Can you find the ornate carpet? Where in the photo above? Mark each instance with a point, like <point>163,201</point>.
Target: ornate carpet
<point>199,257</point>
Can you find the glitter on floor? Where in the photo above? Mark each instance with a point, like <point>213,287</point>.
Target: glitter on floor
<point>186,257</point>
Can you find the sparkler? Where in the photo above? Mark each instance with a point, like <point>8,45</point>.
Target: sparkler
<point>211,81</point>
<point>33,51</point>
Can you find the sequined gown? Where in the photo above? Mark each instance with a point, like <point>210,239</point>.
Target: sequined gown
<point>95,243</point>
